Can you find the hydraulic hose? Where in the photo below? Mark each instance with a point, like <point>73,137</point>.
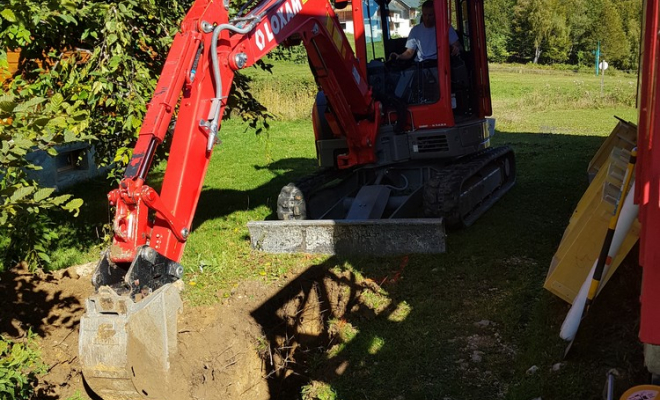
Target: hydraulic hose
<point>215,124</point>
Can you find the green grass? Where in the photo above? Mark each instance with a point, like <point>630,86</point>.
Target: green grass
<point>244,179</point>
<point>291,98</point>
<point>560,101</point>
<point>419,339</point>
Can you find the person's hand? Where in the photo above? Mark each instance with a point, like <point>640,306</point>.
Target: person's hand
<point>394,57</point>
<point>455,49</point>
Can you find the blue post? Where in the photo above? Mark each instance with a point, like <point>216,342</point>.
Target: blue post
<point>597,57</point>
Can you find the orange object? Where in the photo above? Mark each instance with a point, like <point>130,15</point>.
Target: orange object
<point>642,392</point>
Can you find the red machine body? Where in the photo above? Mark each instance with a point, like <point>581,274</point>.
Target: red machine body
<point>648,176</point>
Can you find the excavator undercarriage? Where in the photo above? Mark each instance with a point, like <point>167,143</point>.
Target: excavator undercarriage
<point>397,209</point>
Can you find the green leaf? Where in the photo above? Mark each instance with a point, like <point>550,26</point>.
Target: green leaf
<point>8,15</point>
<point>111,39</point>
<point>7,103</point>
<point>68,18</point>
<point>56,101</point>
<point>42,121</point>
<point>22,142</point>
<point>42,194</point>
<point>74,206</point>
<point>21,193</point>
<point>70,136</point>
<point>115,62</point>
<point>59,199</point>
<point>59,122</point>
<point>4,64</point>
<point>29,105</point>
<point>44,257</point>
<point>97,87</point>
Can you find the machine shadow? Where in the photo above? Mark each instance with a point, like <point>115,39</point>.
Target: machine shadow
<point>317,312</point>
<point>429,326</point>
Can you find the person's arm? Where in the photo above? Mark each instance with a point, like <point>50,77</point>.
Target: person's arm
<point>454,44</point>
<point>406,55</point>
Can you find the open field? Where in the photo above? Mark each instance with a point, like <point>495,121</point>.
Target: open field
<point>468,324</point>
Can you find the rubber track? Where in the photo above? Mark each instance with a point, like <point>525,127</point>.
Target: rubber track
<point>442,191</point>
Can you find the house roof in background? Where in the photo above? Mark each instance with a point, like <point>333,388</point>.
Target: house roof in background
<point>411,3</point>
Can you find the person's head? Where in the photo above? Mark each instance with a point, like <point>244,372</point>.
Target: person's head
<point>428,14</point>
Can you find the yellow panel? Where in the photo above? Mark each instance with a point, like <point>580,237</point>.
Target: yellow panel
<point>329,25</point>
<point>624,136</point>
<point>583,238</point>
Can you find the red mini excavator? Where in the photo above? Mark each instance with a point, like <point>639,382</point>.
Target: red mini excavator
<point>395,142</point>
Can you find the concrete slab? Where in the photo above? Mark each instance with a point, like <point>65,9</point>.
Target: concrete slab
<point>361,237</point>
<point>652,358</point>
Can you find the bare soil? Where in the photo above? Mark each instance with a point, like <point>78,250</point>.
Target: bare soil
<point>252,345</point>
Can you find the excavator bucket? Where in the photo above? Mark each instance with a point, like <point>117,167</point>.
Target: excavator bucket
<point>363,237</point>
<point>129,330</point>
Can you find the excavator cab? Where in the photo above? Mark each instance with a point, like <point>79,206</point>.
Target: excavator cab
<point>436,92</point>
<point>418,98</point>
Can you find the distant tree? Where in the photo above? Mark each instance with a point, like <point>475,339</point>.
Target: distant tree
<point>551,31</point>
<point>540,26</point>
<point>498,14</point>
<point>557,43</point>
<point>579,23</point>
<point>615,47</point>
<point>631,18</point>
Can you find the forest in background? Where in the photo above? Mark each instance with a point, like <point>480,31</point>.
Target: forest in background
<point>564,31</point>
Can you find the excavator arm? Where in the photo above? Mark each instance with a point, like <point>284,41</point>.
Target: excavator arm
<point>129,329</point>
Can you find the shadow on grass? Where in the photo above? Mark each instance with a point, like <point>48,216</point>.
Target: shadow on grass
<point>217,203</point>
<point>467,324</point>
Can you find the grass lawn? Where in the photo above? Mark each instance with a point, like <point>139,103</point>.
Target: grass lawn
<point>430,343</point>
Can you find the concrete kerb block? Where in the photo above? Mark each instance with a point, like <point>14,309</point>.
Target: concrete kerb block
<point>363,237</point>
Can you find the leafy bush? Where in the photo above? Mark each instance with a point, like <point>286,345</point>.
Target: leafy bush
<point>86,66</point>
<point>121,47</point>
<point>32,123</point>
<point>20,365</point>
